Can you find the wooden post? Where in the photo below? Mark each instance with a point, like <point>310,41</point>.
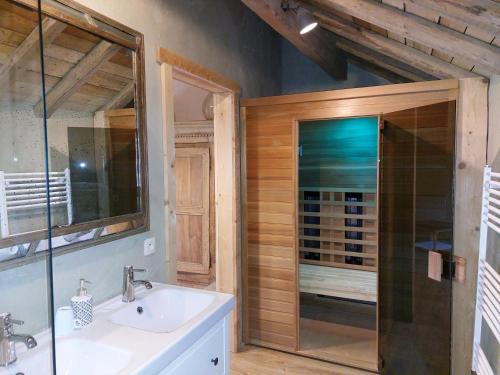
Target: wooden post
<point>169,171</point>
<point>226,221</point>
<point>471,131</point>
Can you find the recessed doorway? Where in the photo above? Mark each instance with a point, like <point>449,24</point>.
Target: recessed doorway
<point>226,177</point>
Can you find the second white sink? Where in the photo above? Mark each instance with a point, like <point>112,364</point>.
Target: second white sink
<point>164,310</point>
<point>74,357</point>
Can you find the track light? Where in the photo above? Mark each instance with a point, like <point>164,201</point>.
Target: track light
<point>306,21</point>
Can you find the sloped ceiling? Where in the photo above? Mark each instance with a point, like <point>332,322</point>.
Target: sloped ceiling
<point>410,39</point>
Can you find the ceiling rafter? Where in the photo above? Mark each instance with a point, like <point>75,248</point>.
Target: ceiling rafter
<point>319,45</point>
<point>375,69</point>
<point>51,28</point>
<point>120,100</point>
<point>392,48</point>
<point>419,30</point>
<point>77,76</point>
<point>483,14</point>
<point>386,63</point>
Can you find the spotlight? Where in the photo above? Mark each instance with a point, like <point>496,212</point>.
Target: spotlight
<point>306,21</point>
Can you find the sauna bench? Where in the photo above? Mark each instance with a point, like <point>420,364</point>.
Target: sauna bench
<point>338,282</point>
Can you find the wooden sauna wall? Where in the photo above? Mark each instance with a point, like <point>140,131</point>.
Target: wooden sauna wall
<point>270,232</point>
<point>338,162</point>
<point>270,194</point>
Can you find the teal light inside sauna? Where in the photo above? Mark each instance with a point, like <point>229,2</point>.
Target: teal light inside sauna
<point>338,153</point>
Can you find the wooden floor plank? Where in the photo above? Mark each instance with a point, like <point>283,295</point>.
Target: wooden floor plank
<point>344,344</point>
<point>253,360</point>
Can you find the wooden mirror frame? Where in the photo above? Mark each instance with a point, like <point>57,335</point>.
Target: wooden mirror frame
<point>74,14</point>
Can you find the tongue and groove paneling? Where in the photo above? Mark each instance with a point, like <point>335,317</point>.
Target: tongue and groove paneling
<point>270,262</point>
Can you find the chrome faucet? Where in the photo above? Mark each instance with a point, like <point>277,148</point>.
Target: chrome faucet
<point>8,339</point>
<point>128,291</point>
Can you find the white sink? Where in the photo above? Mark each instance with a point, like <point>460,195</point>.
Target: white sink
<point>163,310</point>
<point>74,357</point>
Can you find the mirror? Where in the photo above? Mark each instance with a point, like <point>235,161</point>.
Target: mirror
<point>93,76</point>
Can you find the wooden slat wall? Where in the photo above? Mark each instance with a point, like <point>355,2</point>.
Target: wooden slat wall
<point>331,239</point>
<point>271,234</point>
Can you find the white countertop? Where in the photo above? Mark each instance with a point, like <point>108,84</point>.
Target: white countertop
<point>145,352</point>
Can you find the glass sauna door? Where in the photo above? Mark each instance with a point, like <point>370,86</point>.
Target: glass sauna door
<point>416,240</point>
<point>337,227</point>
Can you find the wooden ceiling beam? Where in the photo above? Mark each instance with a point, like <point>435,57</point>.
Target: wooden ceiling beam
<point>392,48</point>
<point>77,76</point>
<point>420,30</point>
<point>375,69</point>
<point>120,100</point>
<point>483,14</point>
<point>383,62</point>
<point>51,28</point>
<point>318,45</point>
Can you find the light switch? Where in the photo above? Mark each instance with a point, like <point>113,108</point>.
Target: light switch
<point>149,246</point>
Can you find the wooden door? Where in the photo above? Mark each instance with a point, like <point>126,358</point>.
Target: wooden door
<point>270,244</point>
<point>192,171</point>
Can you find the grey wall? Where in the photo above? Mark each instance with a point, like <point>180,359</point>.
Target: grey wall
<point>299,74</point>
<point>221,35</point>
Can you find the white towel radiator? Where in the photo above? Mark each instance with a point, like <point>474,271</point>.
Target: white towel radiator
<point>24,191</point>
<point>488,280</point>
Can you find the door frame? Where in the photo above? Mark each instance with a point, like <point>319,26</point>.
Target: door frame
<point>470,158</point>
<point>226,171</point>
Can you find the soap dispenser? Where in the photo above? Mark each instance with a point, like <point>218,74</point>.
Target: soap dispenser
<point>83,304</point>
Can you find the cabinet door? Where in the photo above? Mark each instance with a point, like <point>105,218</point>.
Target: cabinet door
<point>208,356</point>
<point>192,171</point>
<point>270,244</point>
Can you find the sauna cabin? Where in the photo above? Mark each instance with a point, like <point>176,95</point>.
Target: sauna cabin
<point>348,199</point>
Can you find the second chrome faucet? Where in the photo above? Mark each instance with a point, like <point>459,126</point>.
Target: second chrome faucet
<point>128,290</point>
<point>8,339</point>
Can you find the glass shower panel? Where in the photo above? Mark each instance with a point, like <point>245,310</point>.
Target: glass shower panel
<point>24,287</point>
<point>416,222</point>
<point>93,157</point>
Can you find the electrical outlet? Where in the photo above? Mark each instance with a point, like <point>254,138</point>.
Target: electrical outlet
<point>149,246</point>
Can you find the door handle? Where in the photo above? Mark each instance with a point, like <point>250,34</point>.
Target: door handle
<point>449,267</point>
<point>434,265</point>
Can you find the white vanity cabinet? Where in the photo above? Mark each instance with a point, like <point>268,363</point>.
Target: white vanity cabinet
<point>207,356</point>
